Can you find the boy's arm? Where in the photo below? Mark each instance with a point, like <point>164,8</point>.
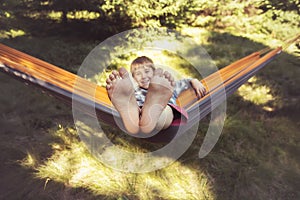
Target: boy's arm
<point>184,84</point>
<point>198,87</point>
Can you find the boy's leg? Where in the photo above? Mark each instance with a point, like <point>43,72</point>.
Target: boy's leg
<point>159,93</point>
<point>121,93</point>
<point>165,119</point>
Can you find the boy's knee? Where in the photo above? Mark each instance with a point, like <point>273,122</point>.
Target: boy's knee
<point>165,119</point>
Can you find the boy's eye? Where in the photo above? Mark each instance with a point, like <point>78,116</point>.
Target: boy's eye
<point>137,73</point>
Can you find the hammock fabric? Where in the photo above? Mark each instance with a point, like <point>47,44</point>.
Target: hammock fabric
<point>63,84</point>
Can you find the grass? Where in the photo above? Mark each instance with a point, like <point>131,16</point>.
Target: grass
<point>73,165</point>
<point>257,154</point>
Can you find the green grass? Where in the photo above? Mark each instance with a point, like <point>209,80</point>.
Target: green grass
<point>73,165</point>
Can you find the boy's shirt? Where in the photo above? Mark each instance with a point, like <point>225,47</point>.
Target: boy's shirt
<point>180,85</point>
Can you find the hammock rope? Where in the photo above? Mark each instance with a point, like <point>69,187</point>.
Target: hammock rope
<point>66,85</point>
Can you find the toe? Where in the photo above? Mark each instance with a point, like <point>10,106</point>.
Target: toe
<point>108,86</point>
<point>123,72</point>
<point>167,75</point>
<point>116,74</point>
<point>158,72</point>
<point>108,80</point>
<point>171,79</point>
<point>173,83</point>
<point>112,77</point>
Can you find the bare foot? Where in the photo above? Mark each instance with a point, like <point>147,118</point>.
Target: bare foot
<point>159,93</point>
<point>121,93</point>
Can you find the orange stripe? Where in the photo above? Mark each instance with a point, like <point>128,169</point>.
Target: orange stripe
<point>53,75</point>
<point>66,80</point>
<point>211,81</point>
<point>254,65</point>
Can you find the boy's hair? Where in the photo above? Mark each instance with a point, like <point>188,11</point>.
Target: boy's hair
<point>140,61</point>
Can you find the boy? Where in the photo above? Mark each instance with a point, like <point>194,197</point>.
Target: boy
<point>152,104</point>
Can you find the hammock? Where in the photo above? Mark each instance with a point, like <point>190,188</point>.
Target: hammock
<point>63,85</point>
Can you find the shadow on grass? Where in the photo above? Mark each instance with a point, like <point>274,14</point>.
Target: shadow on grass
<point>26,117</point>
<point>255,156</point>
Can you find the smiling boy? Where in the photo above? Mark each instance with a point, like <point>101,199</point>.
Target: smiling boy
<point>152,104</point>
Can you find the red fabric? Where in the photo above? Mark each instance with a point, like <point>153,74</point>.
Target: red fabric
<point>180,115</point>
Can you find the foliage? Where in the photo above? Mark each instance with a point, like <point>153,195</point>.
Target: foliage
<point>113,16</point>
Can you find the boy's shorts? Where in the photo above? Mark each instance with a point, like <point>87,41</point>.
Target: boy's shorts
<point>180,115</point>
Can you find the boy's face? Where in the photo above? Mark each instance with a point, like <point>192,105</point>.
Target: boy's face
<point>142,75</point>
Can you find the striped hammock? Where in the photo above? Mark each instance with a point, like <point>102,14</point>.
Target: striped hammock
<point>65,85</point>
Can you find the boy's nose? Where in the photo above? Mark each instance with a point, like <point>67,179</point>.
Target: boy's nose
<point>143,75</point>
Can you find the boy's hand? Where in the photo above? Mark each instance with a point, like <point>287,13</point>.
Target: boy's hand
<point>198,87</point>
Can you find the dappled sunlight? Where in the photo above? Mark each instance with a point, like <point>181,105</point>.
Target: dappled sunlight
<point>199,35</point>
<point>255,93</point>
<point>7,14</point>
<point>73,165</point>
<point>29,161</point>
<point>12,33</point>
<point>180,53</point>
<point>55,15</point>
<point>264,39</point>
<point>78,15</point>
<point>58,15</point>
<point>83,15</point>
<point>167,60</point>
<point>271,33</point>
<point>44,3</point>
<point>34,15</point>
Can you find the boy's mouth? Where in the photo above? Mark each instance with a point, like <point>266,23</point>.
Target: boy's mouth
<point>145,83</point>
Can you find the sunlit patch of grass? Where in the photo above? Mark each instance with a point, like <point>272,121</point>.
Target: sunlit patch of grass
<point>257,94</point>
<point>7,14</point>
<point>34,15</point>
<point>12,33</point>
<point>44,3</point>
<point>199,35</point>
<point>264,39</point>
<point>29,161</point>
<point>54,15</point>
<point>83,14</point>
<point>272,33</point>
<point>57,15</point>
<point>73,165</point>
